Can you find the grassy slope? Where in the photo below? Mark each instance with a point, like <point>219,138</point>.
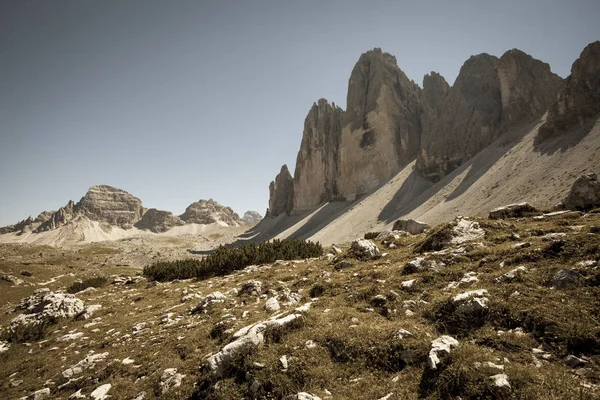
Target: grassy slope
<point>357,355</point>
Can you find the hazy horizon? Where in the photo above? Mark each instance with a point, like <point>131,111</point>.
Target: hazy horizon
<point>186,100</point>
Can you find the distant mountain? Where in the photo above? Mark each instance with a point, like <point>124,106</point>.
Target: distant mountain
<point>117,208</point>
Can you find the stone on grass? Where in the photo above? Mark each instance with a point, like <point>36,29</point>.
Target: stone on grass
<point>512,274</point>
<point>516,210</point>
<point>170,379</point>
<point>411,226</point>
<point>402,334</point>
<point>466,230</point>
<point>40,394</point>
<point>574,362</point>
<point>365,248</point>
<point>501,381</point>
<point>100,393</point>
<point>46,307</point>
<point>248,337</point>
<point>566,279</point>
<point>421,264</point>
<point>554,237</point>
<point>252,287</point>
<point>440,348</point>
<point>272,305</point>
<point>4,346</point>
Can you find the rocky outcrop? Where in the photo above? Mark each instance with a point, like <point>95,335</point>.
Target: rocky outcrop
<point>381,125</point>
<point>578,99</point>
<point>111,205</point>
<point>281,193</point>
<point>251,217</point>
<point>59,218</point>
<point>158,221</point>
<point>584,194</point>
<point>210,212</point>
<point>315,177</point>
<point>28,224</point>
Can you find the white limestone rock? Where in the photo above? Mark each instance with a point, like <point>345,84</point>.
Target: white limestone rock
<point>440,347</point>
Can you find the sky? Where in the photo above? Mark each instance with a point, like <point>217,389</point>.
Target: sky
<point>176,101</point>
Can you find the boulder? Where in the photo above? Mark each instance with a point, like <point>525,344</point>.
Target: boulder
<point>46,307</point>
<point>252,287</point>
<point>440,348</point>
<point>365,249</point>
<point>500,381</point>
<point>466,230</point>
<point>584,193</point>
<point>516,210</point>
<point>272,305</point>
<point>567,279</point>
<point>411,226</point>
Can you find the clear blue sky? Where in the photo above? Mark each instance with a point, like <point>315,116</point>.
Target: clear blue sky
<point>175,101</point>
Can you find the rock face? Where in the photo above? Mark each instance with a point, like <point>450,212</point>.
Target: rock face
<point>584,194</point>
<point>382,124</point>
<point>59,218</point>
<point>111,205</point>
<point>578,99</point>
<point>28,224</point>
<point>158,221</point>
<point>251,217</point>
<point>209,212</point>
<point>390,121</point>
<point>490,95</point>
<point>281,193</point>
<point>315,177</point>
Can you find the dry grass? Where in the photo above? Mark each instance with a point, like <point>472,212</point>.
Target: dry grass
<point>356,354</point>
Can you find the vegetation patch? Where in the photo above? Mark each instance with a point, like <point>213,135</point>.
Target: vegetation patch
<point>225,260</point>
<point>95,282</point>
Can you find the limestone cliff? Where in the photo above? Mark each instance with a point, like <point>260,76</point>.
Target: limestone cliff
<point>489,97</point>
<point>315,177</point>
<point>578,99</point>
<point>58,218</point>
<point>381,125</point>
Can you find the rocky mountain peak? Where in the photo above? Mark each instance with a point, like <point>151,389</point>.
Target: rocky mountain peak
<point>317,160</point>
<point>281,193</point>
<point>251,217</point>
<point>209,212</point>
<point>111,205</point>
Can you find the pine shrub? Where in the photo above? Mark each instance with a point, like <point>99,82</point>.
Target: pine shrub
<point>225,260</point>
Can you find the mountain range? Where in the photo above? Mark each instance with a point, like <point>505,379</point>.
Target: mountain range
<point>507,130</point>
<point>117,208</point>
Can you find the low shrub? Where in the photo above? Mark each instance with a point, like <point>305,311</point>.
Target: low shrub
<point>225,260</point>
<point>26,333</point>
<point>97,281</point>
